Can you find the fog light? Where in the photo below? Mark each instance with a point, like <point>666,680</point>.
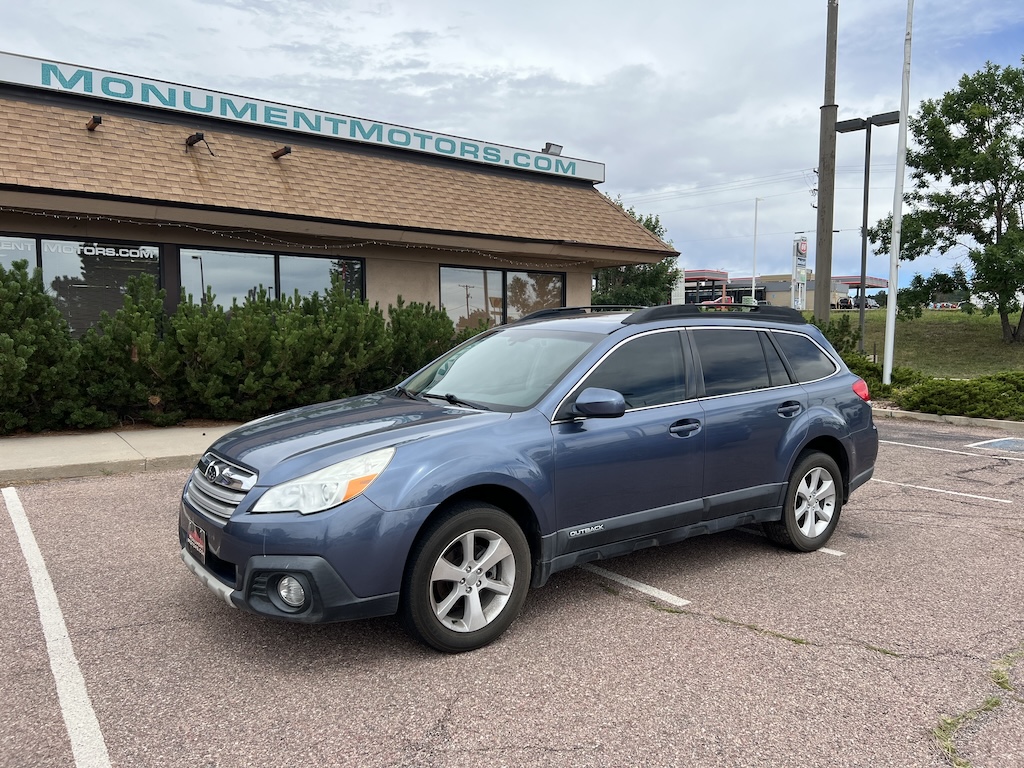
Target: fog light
<point>291,591</point>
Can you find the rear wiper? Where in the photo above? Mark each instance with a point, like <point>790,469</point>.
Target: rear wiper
<point>456,400</point>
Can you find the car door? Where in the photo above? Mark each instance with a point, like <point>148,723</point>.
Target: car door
<point>751,408</point>
<point>638,473</point>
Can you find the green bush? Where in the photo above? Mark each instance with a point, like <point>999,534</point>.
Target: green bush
<point>128,370</point>
<point>840,332</point>
<point>38,357</point>
<point>419,333</point>
<point>1000,396</point>
<point>269,355</point>
<point>872,375</point>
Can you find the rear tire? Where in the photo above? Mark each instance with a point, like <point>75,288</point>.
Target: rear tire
<point>467,579</point>
<point>814,500</point>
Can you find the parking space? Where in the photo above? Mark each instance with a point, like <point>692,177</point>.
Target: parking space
<point>718,651</point>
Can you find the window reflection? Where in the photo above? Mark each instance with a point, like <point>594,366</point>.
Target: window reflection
<point>231,276</point>
<point>493,296</point>
<point>532,291</point>
<point>87,278</point>
<point>14,249</point>
<point>307,275</point>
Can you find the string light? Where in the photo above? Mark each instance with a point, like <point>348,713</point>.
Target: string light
<point>257,237</point>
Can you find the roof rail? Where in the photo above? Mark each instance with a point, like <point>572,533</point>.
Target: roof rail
<point>592,309</point>
<point>670,311</point>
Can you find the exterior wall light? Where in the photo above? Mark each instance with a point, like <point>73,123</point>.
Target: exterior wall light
<point>279,153</point>
<point>552,149</point>
<point>96,120</point>
<point>194,139</point>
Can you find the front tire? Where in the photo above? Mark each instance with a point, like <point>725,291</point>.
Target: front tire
<point>814,500</point>
<point>467,579</point>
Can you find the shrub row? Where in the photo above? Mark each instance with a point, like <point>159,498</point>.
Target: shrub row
<point>204,361</point>
<point>999,396</point>
<point>267,355</point>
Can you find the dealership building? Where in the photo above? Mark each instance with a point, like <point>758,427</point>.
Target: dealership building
<point>108,175</point>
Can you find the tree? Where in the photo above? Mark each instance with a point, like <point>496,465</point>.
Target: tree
<point>968,186</point>
<point>638,284</point>
<point>939,286</point>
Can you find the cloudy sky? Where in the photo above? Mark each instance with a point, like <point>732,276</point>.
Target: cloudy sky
<point>695,108</point>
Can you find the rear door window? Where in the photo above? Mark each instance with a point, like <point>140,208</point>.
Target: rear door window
<point>732,359</point>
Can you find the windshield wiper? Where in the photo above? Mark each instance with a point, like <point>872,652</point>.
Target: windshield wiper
<point>406,393</point>
<point>456,400</point>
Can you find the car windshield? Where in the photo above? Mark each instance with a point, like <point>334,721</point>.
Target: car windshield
<point>509,369</point>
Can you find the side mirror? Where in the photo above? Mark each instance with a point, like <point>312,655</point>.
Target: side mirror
<point>599,403</point>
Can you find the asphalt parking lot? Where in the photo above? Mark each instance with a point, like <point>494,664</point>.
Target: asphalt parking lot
<point>903,639</point>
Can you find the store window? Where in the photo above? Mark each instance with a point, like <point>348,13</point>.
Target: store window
<point>87,278</point>
<point>471,296</point>
<point>235,276</point>
<point>307,275</point>
<point>229,275</point>
<point>14,249</point>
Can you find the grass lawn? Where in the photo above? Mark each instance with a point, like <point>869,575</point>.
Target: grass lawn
<point>944,343</point>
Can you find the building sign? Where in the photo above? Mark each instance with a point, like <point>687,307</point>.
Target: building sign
<point>111,86</point>
<point>798,286</point>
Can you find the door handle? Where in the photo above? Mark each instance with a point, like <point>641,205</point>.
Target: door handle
<point>685,428</point>
<point>789,410</point>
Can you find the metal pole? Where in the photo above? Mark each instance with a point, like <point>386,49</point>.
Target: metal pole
<point>864,233</point>
<point>753,273</point>
<point>826,173</point>
<point>897,206</point>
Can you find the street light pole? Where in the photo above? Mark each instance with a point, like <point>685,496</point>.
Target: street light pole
<point>857,124</point>
<point>202,279</point>
<point>753,272</point>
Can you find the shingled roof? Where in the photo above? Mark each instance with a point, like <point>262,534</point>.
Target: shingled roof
<point>134,157</point>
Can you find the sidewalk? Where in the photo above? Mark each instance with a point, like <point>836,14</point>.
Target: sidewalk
<point>33,458</point>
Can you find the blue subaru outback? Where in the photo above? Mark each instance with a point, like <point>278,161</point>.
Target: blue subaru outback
<point>566,437</point>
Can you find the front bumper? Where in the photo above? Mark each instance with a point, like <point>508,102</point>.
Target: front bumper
<point>237,572</point>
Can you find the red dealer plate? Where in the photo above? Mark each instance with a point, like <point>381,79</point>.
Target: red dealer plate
<point>197,541</point>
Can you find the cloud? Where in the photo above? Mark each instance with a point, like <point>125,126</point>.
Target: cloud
<point>695,108</point>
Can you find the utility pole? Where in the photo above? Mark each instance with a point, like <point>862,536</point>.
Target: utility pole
<point>826,173</point>
<point>467,287</point>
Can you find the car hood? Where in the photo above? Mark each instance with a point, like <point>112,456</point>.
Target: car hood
<point>305,439</point>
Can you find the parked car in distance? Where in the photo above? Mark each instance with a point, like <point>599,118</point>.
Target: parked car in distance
<point>536,446</point>
<point>869,303</point>
<point>719,301</point>
<point>845,302</point>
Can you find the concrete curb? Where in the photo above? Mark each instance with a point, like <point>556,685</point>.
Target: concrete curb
<point>1013,427</point>
<point>39,458</point>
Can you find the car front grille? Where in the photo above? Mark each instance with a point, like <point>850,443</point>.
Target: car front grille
<point>217,487</point>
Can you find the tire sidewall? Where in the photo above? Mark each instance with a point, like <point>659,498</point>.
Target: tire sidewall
<point>806,464</point>
<point>416,611</point>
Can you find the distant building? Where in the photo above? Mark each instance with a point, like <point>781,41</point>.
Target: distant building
<point>708,284</point>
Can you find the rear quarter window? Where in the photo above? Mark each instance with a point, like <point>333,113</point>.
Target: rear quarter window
<point>808,361</point>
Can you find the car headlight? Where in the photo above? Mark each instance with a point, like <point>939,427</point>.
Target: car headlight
<point>327,487</point>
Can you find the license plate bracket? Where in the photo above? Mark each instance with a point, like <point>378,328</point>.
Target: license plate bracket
<point>197,542</point>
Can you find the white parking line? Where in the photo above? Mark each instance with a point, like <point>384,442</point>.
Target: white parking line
<point>827,551</point>
<point>950,450</point>
<point>941,490</point>
<point>87,745</point>
<point>654,592</point>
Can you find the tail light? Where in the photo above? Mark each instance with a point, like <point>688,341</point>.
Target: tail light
<point>860,388</point>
